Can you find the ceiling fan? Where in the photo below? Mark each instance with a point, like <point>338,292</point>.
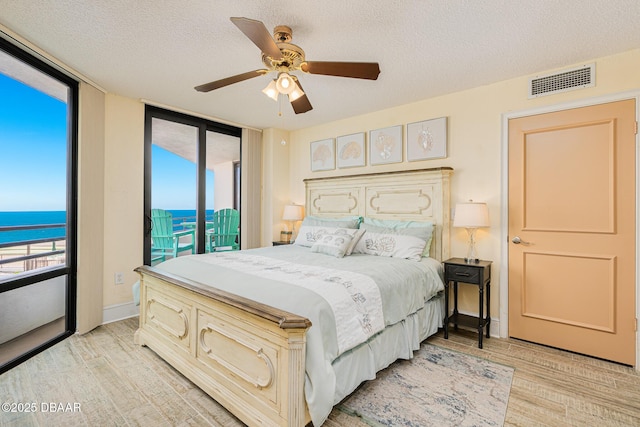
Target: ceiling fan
<point>283,57</point>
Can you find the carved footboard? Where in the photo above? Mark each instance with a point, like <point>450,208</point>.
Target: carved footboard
<point>248,356</point>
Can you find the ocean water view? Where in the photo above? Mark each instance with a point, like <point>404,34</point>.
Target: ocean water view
<point>17,218</point>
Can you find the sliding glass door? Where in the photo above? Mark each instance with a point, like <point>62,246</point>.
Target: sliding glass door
<point>37,205</point>
<point>190,170</point>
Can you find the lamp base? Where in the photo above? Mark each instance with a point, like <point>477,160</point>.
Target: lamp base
<point>472,254</point>
<point>286,236</point>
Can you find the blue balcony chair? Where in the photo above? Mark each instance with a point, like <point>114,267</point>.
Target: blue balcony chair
<point>223,232</point>
<point>164,241</point>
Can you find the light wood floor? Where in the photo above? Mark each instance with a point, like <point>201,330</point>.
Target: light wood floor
<point>116,382</point>
<point>552,387</point>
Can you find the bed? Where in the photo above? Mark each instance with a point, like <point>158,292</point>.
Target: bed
<point>241,327</point>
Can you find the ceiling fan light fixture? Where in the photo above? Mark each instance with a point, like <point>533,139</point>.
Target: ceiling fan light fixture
<point>281,56</point>
<point>285,83</point>
<point>271,90</point>
<point>295,93</point>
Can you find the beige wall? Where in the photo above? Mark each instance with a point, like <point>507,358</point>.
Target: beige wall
<point>123,195</point>
<point>474,146</point>
<point>91,209</point>
<point>275,183</point>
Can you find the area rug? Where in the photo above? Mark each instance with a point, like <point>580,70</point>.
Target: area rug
<point>438,387</point>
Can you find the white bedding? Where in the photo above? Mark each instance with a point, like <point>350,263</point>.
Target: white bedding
<point>354,298</point>
<point>404,289</point>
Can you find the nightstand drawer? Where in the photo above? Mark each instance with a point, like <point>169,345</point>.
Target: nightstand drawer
<point>461,273</point>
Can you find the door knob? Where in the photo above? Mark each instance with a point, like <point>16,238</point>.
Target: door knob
<point>517,240</point>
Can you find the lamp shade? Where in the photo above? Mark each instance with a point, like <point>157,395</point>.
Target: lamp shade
<point>295,93</point>
<point>292,213</point>
<point>285,83</point>
<point>471,215</point>
<point>271,90</point>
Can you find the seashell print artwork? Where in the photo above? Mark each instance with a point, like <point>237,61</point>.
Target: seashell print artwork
<point>425,139</point>
<point>385,144</point>
<point>351,150</point>
<point>321,154</point>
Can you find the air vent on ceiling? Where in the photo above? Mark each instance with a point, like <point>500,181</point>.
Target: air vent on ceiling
<point>575,78</point>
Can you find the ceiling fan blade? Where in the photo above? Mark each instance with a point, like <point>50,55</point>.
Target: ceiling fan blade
<point>259,35</point>
<point>302,104</point>
<point>357,70</point>
<point>230,80</point>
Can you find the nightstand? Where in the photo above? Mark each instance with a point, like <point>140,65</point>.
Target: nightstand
<point>279,243</point>
<point>457,270</point>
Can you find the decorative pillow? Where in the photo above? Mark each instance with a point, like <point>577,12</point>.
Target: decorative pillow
<point>391,245</point>
<point>345,222</point>
<point>309,235</point>
<point>421,230</point>
<point>332,244</point>
<point>354,241</point>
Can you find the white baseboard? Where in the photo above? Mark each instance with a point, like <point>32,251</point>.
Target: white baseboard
<point>494,328</point>
<point>116,312</point>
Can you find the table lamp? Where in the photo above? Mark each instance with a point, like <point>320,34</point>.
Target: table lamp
<point>292,213</point>
<point>471,216</point>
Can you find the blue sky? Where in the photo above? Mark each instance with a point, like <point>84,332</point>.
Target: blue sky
<point>174,181</point>
<point>33,129</point>
<point>33,150</point>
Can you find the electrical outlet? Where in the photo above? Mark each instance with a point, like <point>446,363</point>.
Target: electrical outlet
<point>119,278</point>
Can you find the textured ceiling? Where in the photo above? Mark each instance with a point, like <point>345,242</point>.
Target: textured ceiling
<point>159,50</point>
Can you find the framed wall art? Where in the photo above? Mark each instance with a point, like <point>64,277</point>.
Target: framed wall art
<point>350,150</point>
<point>385,145</point>
<point>323,155</point>
<point>427,139</point>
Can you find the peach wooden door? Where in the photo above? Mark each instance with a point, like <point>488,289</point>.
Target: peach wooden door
<point>572,230</point>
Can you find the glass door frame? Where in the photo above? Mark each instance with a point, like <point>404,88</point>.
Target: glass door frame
<point>203,126</point>
<point>69,269</point>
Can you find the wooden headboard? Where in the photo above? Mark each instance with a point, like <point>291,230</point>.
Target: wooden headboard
<point>415,195</point>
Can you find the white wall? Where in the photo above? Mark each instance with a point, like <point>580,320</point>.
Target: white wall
<point>25,309</point>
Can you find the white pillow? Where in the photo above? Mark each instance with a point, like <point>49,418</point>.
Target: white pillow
<point>309,235</point>
<point>422,230</point>
<point>391,245</point>
<point>332,244</point>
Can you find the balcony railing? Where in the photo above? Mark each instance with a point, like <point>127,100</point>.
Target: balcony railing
<point>24,255</point>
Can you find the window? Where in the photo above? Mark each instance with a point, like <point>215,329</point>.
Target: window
<point>191,165</point>
<point>38,134</point>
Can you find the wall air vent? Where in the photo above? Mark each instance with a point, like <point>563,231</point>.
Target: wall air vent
<point>575,78</point>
